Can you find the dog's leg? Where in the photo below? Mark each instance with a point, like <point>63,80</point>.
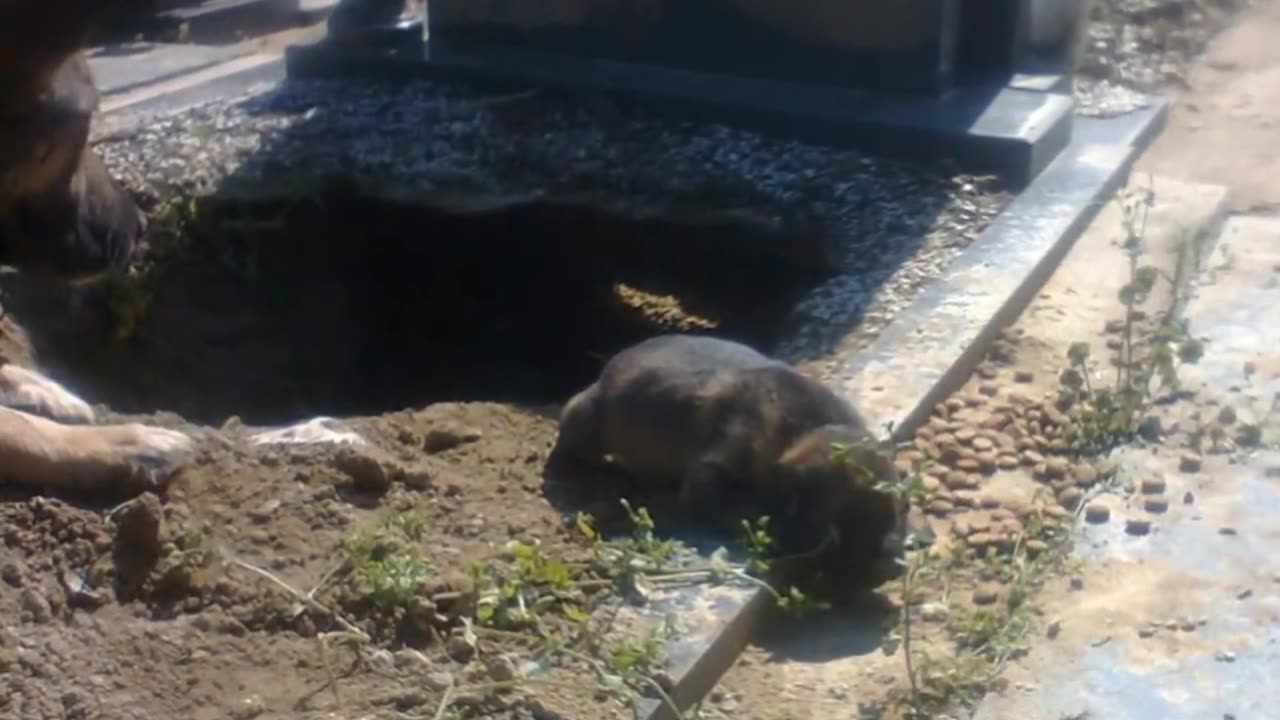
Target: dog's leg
<point>24,389</point>
<point>38,452</point>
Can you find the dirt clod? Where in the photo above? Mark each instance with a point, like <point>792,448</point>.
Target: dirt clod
<point>139,525</point>
<point>442,439</point>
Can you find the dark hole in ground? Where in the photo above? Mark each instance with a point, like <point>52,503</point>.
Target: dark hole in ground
<point>336,303</point>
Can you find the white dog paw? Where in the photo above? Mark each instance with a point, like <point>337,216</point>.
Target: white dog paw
<point>23,389</point>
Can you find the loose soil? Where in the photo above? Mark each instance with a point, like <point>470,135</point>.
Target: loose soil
<point>263,314</point>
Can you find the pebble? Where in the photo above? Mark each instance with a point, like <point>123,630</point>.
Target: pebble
<point>1137,526</point>
<point>34,602</point>
<point>438,681</point>
<point>1097,513</point>
<point>934,612</point>
<point>1190,462</point>
<point>987,593</point>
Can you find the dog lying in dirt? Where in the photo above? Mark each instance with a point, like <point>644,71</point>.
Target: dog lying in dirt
<point>61,215</point>
<point>722,422</point>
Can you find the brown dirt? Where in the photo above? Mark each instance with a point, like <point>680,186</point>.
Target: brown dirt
<point>142,611</point>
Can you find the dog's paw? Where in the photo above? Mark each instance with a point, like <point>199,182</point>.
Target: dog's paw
<point>27,390</point>
<point>130,456</point>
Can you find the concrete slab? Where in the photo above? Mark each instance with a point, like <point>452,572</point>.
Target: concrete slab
<point>987,128</point>
<point>120,68</point>
<point>1184,622</point>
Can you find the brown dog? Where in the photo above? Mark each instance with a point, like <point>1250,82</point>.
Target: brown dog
<point>724,423</point>
<point>62,215</point>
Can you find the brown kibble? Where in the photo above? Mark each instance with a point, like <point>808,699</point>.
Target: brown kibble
<point>987,593</point>
<point>1036,547</point>
<point>1114,326</point>
<point>1023,376</point>
<point>1156,504</point>
<point>968,464</point>
<point>989,389</point>
<point>1190,462</point>
<point>1137,526</point>
<point>1031,457</point>
<point>1114,343</point>
<point>974,400</point>
<point>981,539</point>
<point>1056,467</point>
<point>982,443</point>
<point>939,507</point>
<point>938,424</point>
<point>945,441</point>
<point>1054,511</point>
<point>1084,474</point>
<point>965,435</point>
<point>1070,497</point>
<point>987,372</point>
<point>986,461</point>
<point>989,502</point>
<point>957,480</point>
<point>1006,462</point>
<point>965,498</point>
<point>954,404</point>
<point>1042,442</point>
<point>1097,513</point>
<point>1153,486</point>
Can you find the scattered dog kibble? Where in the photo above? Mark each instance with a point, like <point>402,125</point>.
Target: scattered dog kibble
<point>1097,513</point>
<point>1153,486</point>
<point>986,593</point>
<point>1146,631</point>
<point>1156,504</point>
<point>1137,526</point>
<point>1190,462</point>
<point>1244,594</point>
<point>1052,631</point>
<point>1023,376</point>
<point>1188,498</point>
<point>1078,583</point>
<point>1227,531</point>
<point>1224,656</point>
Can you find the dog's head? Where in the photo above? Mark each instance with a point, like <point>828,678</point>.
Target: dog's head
<point>60,212</point>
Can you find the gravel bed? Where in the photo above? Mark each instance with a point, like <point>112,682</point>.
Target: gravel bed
<point>1140,47</point>
<point>898,226</point>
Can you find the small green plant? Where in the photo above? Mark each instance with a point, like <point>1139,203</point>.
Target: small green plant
<point>389,566</point>
<point>1146,363</point>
